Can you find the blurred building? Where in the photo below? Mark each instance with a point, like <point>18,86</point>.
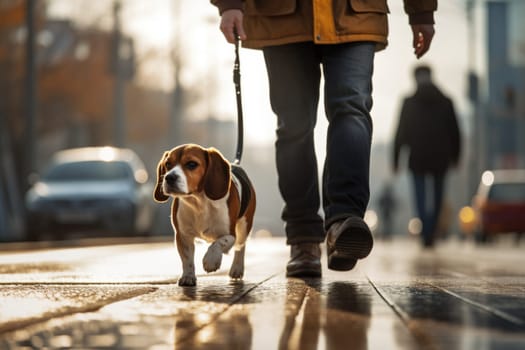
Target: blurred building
<point>501,105</point>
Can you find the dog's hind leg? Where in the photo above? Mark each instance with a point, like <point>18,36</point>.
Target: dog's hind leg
<point>237,268</point>
<point>213,257</point>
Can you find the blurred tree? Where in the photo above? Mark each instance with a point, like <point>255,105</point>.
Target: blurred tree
<point>12,128</point>
<point>77,87</point>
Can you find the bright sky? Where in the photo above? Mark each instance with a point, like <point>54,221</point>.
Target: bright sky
<point>208,60</point>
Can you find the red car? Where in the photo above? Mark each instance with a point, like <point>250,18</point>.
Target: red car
<point>500,202</point>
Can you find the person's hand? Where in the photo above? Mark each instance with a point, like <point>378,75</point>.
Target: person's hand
<point>423,34</point>
<point>230,20</point>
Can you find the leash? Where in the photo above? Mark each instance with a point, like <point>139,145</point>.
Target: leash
<point>239,172</point>
<point>237,82</point>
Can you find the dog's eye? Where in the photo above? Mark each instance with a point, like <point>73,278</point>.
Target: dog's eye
<point>168,164</point>
<point>191,165</point>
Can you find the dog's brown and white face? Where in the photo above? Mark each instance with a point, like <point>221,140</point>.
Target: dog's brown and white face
<point>191,169</point>
<point>207,205</point>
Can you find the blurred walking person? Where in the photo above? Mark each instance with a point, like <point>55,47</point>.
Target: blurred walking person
<point>428,129</point>
<point>387,204</point>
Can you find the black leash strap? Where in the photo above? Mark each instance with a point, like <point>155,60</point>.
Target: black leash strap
<point>237,82</point>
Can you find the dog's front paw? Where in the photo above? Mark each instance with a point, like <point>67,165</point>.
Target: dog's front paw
<point>187,280</point>
<point>237,271</point>
<point>237,268</point>
<point>212,259</point>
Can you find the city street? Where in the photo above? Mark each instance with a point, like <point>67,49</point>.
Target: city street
<point>94,97</point>
<point>125,296</point>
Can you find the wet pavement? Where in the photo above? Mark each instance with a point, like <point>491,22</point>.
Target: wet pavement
<point>125,296</point>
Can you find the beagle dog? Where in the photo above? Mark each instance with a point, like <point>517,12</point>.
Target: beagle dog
<point>212,200</point>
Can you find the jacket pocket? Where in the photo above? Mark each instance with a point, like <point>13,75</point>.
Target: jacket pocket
<point>377,6</point>
<point>269,7</point>
<point>365,18</point>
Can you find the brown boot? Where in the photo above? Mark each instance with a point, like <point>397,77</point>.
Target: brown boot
<point>346,242</point>
<point>305,260</point>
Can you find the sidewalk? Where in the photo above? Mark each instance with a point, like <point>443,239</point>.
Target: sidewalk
<point>126,297</point>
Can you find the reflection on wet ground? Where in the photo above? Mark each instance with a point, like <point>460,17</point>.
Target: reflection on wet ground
<point>457,297</point>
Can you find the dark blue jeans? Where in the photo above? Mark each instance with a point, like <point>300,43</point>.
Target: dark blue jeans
<point>294,73</point>
<point>428,191</point>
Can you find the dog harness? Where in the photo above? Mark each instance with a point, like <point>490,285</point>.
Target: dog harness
<point>243,184</point>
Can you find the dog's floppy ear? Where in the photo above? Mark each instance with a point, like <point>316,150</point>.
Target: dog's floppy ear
<point>158,194</point>
<point>217,176</point>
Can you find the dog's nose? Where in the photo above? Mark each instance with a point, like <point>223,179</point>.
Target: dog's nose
<point>171,178</point>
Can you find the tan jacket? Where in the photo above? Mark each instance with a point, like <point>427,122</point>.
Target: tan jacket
<point>277,22</point>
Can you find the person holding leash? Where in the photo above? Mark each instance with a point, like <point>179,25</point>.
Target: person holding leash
<point>303,40</point>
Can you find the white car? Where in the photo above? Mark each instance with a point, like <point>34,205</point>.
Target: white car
<point>95,189</point>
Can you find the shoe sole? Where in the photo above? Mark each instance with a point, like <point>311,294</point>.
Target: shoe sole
<point>352,245</point>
